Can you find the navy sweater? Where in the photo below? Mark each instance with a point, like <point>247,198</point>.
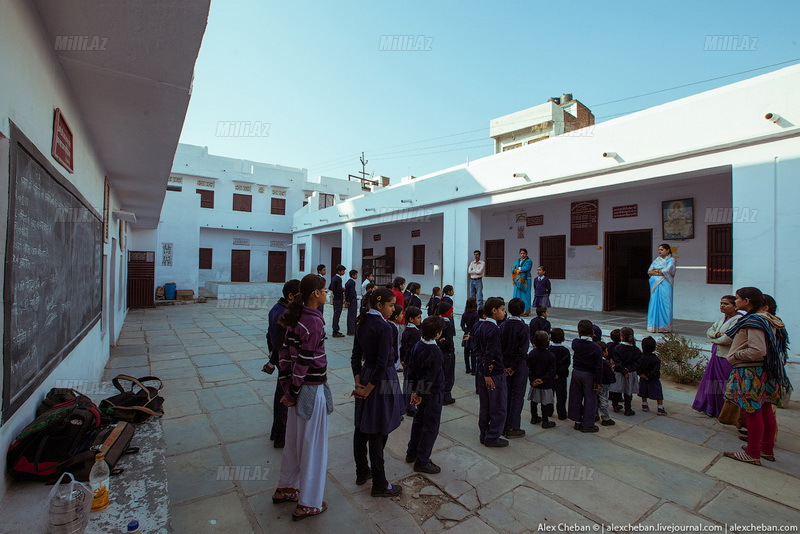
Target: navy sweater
<point>468,320</point>
<point>487,345</point>
<point>426,368</point>
<point>542,365</point>
<point>539,323</point>
<point>409,338</point>
<point>563,359</point>
<point>446,340</point>
<point>514,342</point>
<point>650,366</point>
<point>587,356</point>
<point>626,358</point>
<point>608,374</point>
<point>373,347</point>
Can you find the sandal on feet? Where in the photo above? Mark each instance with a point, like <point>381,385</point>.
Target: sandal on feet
<point>742,457</point>
<point>301,512</point>
<point>285,495</point>
<point>767,457</point>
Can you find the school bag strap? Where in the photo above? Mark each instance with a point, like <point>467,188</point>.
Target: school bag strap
<point>134,405</point>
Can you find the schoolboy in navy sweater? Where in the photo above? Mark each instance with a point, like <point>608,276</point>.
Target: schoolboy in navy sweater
<point>541,372</point>
<point>351,301</point>
<point>448,293</point>
<point>446,343</point>
<point>540,322</point>
<point>491,377</point>
<point>626,358</point>
<point>605,384</point>
<point>563,360</point>
<point>587,373</point>
<point>514,342</point>
<point>614,396</point>
<point>425,366</point>
<point>337,290</point>
<point>409,338</point>
<point>468,320</point>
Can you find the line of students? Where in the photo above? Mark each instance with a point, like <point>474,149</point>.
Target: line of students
<point>498,357</point>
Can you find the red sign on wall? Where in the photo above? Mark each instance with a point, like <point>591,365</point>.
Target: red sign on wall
<point>583,223</point>
<point>534,220</point>
<point>631,210</point>
<point>62,150</point>
<point>376,237</point>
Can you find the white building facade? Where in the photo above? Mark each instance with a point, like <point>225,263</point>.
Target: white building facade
<point>229,220</point>
<point>710,175</point>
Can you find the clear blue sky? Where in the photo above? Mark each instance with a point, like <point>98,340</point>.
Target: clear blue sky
<point>313,70</point>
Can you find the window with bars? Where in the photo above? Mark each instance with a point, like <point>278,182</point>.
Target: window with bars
<point>242,202</point>
<point>302,257</point>
<point>325,200</point>
<point>206,258</point>
<point>553,256</point>
<point>418,259</point>
<point>206,198</point>
<point>495,257</point>
<point>719,265</point>
<point>390,260</point>
<point>278,206</point>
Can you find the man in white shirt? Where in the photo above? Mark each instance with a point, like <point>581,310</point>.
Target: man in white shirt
<point>475,273</point>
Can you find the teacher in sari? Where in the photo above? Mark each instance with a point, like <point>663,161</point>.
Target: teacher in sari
<point>521,278</point>
<point>662,276</point>
<point>709,398</point>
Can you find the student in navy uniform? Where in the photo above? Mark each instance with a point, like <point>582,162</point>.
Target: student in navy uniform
<point>605,383</point>
<point>321,272</point>
<point>379,400</point>
<point>597,334</point>
<point>541,371</point>
<point>413,299</point>
<point>425,365</point>
<point>650,376</point>
<point>370,287</point>
<point>337,290</point>
<point>541,289</point>
<point>408,339</point>
<point>491,376</point>
<point>275,334</point>
<point>436,293</point>
<point>540,322</point>
<point>397,312</point>
<point>613,396</point>
<point>587,373</point>
<point>626,364</point>
<point>448,294</point>
<point>468,320</point>
<point>514,342</point>
<point>351,299</point>
<point>563,359</point>
<point>446,343</point>
<point>474,350</point>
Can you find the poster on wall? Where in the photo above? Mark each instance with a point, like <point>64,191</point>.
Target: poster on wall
<point>583,223</point>
<point>677,218</point>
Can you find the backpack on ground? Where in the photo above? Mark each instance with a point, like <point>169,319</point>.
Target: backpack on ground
<point>41,450</point>
<point>112,440</point>
<point>134,406</point>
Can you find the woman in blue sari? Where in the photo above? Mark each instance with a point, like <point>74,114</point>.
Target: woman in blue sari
<point>662,277</point>
<point>521,277</point>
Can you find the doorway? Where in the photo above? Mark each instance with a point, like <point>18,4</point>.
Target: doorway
<point>628,255</point>
<point>240,265</point>
<point>141,279</point>
<point>276,266</point>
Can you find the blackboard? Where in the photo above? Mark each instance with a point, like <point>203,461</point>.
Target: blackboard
<point>53,279</point>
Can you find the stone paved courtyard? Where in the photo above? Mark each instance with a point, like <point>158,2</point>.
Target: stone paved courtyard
<point>222,467</point>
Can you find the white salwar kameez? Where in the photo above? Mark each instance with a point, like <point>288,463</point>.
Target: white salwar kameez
<point>304,463</point>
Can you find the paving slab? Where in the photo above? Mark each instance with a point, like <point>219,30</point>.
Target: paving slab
<point>209,348</point>
<point>198,473</point>
<point>671,514</point>
<point>181,404</point>
<point>218,373</point>
<point>735,506</point>
<point>666,447</point>
<point>526,510</point>
<point>586,487</point>
<point>243,422</point>
<point>207,360</point>
<point>189,433</point>
<point>222,397</point>
<point>221,514</point>
<point>763,481</point>
<point>256,464</point>
<point>679,429</point>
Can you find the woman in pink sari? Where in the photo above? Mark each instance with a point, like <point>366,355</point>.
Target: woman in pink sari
<point>710,393</point>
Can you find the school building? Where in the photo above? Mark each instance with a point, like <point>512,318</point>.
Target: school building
<point>227,221</point>
<point>713,175</point>
<point>92,102</point>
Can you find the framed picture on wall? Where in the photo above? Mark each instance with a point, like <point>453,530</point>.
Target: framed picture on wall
<point>677,219</point>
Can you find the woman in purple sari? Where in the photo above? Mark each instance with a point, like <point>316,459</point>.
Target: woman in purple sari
<point>709,398</point>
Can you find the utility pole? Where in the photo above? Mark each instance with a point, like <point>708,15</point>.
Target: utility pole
<point>363,167</point>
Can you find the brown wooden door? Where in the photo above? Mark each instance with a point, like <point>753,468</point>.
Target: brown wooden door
<point>240,265</point>
<point>365,252</point>
<point>276,266</point>
<point>141,279</point>
<point>627,256</point>
<point>336,259</point>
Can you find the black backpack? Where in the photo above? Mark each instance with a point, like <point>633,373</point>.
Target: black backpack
<point>44,447</point>
<point>134,406</point>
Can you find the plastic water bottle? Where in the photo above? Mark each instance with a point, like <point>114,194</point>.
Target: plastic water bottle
<point>99,481</point>
<point>133,527</point>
